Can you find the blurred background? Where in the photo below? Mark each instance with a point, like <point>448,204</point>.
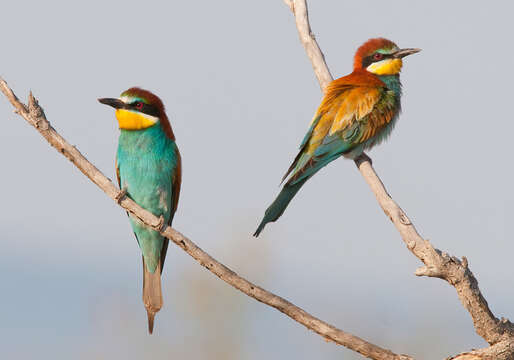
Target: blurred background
<point>240,93</point>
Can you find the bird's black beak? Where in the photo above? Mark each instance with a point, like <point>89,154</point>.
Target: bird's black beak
<point>115,103</point>
<point>404,52</point>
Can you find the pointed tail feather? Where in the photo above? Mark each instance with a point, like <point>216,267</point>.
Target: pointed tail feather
<point>275,210</point>
<point>152,293</point>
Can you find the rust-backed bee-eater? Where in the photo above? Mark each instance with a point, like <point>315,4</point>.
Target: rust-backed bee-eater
<point>357,112</point>
<point>148,168</point>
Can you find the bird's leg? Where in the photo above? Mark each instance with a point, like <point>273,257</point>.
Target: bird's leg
<point>121,195</point>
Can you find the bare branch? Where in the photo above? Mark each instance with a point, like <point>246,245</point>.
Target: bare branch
<point>439,264</point>
<point>309,42</point>
<point>502,350</point>
<point>35,116</point>
<point>498,333</point>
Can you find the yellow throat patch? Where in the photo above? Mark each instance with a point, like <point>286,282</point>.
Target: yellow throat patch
<point>132,120</point>
<point>386,67</point>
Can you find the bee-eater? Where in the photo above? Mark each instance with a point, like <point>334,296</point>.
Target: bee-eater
<point>357,112</point>
<point>148,168</point>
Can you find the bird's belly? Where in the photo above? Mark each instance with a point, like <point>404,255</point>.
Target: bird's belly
<point>148,185</point>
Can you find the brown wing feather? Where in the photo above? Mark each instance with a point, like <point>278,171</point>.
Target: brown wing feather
<point>332,95</point>
<point>117,172</point>
<point>347,100</point>
<point>176,182</point>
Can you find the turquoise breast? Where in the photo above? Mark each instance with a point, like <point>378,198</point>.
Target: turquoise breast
<point>146,163</point>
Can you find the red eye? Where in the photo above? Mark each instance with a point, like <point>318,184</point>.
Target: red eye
<point>139,105</point>
<point>378,56</point>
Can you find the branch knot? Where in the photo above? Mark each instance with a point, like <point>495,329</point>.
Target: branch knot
<point>37,113</point>
<point>404,219</point>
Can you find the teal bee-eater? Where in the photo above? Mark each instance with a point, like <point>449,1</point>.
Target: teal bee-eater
<point>357,112</point>
<point>148,168</point>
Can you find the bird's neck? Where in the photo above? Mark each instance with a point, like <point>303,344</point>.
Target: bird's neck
<point>143,140</point>
<point>393,83</point>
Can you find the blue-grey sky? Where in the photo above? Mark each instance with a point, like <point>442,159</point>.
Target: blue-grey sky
<point>240,93</point>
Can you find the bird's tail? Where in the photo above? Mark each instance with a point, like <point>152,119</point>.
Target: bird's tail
<point>152,293</point>
<point>275,210</point>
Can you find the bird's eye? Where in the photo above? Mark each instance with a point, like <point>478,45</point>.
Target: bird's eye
<point>139,105</point>
<point>378,56</point>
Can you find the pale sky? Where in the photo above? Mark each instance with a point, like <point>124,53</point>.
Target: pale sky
<point>240,93</point>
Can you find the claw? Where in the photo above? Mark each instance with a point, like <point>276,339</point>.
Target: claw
<point>121,195</point>
<point>161,225</point>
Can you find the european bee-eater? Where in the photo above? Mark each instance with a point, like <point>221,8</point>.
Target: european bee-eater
<point>357,112</point>
<point>148,168</point>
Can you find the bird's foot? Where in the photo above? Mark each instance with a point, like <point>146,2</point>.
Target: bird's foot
<point>362,158</point>
<point>161,225</point>
<point>121,195</point>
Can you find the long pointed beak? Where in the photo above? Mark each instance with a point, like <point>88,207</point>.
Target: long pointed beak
<point>404,52</point>
<point>115,103</point>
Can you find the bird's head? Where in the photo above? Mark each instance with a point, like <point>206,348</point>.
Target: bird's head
<point>138,109</point>
<point>381,57</point>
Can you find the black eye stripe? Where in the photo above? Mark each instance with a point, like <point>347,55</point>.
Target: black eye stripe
<point>368,60</point>
<point>145,109</point>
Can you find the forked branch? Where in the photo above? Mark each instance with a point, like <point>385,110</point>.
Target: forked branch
<point>498,333</point>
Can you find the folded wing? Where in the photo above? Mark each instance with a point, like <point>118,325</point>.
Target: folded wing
<point>350,115</point>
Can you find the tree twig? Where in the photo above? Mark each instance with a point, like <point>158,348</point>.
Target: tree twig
<point>35,116</point>
<point>308,40</point>
<point>498,333</point>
